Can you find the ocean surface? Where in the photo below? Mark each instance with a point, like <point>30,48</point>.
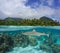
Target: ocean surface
<point>53,31</point>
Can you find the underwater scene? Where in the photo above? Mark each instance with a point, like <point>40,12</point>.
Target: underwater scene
<point>29,39</point>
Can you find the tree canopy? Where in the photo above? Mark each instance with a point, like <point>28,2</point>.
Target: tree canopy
<point>43,21</point>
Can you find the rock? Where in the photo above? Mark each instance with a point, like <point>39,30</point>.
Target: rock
<point>33,41</point>
<point>46,48</point>
<point>21,40</point>
<point>6,43</point>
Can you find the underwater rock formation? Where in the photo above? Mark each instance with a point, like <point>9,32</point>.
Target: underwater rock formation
<point>33,41</point>
<point>23,40</point>
<point>50,46</point>
<point>47,44</point>
<point>46,48</point>
<point>20,40</point>
<point>6,43</point>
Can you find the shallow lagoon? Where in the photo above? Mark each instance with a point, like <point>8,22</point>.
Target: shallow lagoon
<point>35,44</point>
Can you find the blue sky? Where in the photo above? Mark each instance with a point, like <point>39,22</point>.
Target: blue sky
<point>30,8</point>
<point>49,3</point>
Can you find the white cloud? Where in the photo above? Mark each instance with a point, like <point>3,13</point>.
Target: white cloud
<point>17,8</point>
<point>57,14</point>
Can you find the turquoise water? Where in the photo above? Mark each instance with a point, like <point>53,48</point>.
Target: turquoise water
<point>53,31</point>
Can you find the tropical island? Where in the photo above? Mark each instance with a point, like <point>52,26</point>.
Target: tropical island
<point>43,21</point>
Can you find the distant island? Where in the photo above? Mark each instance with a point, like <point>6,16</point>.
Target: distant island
<point>43,21</point>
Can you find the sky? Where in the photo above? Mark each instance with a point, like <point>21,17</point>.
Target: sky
<point>30,9</point>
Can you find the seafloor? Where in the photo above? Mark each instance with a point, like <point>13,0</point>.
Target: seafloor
<point>12,39</point>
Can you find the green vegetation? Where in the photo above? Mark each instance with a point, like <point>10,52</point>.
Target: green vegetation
<point>43,21</point>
